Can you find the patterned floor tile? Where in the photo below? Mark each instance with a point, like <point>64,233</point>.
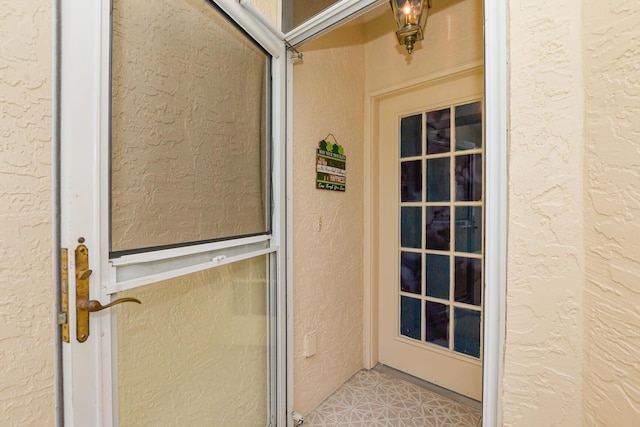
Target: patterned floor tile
<point>364,381</point>
<point>314,419</point>
<point>372,398</point>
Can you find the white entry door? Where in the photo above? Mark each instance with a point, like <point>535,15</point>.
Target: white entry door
<point>172,182</point>
<point>431,234</point>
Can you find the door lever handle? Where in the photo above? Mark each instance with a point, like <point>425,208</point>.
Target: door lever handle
<point>93,305</point>
<point>85,305</point>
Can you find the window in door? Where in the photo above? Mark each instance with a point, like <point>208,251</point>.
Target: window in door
<point>441,228</point>
<point>190,134</point>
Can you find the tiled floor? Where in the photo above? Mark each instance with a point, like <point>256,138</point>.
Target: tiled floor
<point>372,398</point>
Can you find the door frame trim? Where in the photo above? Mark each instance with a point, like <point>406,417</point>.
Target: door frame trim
<point>496,130</point>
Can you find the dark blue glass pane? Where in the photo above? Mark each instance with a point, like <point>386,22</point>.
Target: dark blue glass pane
<point>469,177</point>
<point>411,136</point>
<point>410,226</point>
<point>469,126</point>
<point>469,229</point>
<point>411,272</point>
<point>437,276</point>
<point>437,323</point>
<point>468,280</point>
<point>410,317</point>
<point>439,131</point>
<point>438,180</point>
<point>411,181</point>
<point>466,338</point>
<point>438,227</point>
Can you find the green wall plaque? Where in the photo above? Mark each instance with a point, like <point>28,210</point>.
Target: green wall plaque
<point>331,167</point>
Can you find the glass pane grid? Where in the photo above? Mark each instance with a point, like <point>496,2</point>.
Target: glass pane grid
<point>443,155</point>
<point>466,152</point>
<point>467,306</point>
<point>467,255</point>
<point>450,321</point>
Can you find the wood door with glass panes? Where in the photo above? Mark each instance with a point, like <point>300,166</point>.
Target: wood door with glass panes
<point>431,217</point>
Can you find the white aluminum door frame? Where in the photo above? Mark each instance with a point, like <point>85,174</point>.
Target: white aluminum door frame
<point>89,395</point>
<point>496,190</point>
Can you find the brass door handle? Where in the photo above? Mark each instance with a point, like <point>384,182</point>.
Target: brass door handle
<point>84,305</point>
<point>93,305</point>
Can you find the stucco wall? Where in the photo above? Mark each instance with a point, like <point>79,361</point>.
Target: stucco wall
<point>542,368</point>
<point>196,352</point>
<point>612,213</point>
<point>188,129</point>
<point>26,308</point>
<point>328,265</point>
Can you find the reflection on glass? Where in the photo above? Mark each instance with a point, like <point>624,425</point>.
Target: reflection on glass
<point>411,136</point>
<point>469,229</point>
<point>411,181</point>
<point>411,272</point>
<point>410,317</point>
<point>410,227</point>
<point>295,12</point>
<point>438,227</point>
<point>467,332</point>
<point>189,127</point>
<point>469,178</point>
<point>437,323</point>
<point>468,280</point>
<point>469,126</point>
<point>438,131</point>
<point>437,276</point>
<point>438,180</point>
<point>197,351</point>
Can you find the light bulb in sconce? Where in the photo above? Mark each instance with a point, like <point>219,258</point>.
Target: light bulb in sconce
<point>411,20</point>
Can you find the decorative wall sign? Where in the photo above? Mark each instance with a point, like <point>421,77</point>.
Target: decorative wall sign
<point>331,166</point>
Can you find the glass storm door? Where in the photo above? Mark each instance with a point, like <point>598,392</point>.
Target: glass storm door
<point>431,234</point>
<point>172,182</point>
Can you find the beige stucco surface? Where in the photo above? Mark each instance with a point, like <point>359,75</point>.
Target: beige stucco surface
<point>188,126</point>
<point>612,213</point>
<point>26,302</point>
<point>328,268</point>
<point>545,270</point>
<point>195,352</point>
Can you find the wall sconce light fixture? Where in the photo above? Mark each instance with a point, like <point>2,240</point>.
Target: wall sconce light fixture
<point>411,20</point>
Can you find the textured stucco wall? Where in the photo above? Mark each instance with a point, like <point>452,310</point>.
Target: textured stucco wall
<point>453,38</point>
<point>328,264</point>
<point>26,308</point>
<point>542,369</point>
<point>188,126</point>
<point>196,352</point>
<point>612,213</point>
